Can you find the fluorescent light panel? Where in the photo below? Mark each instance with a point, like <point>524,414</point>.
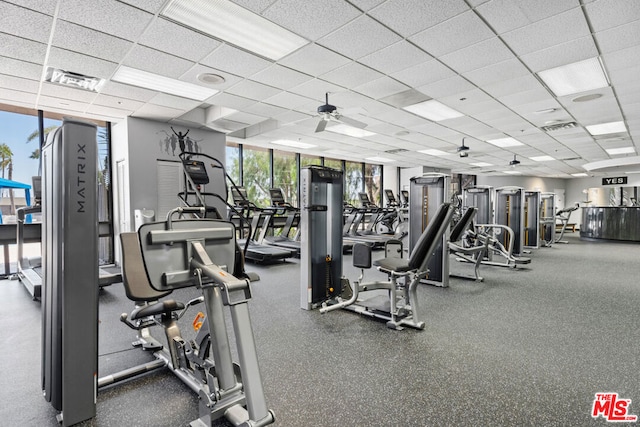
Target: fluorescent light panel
<point>349,131</point>
<point>434,152</point>
<point>573,78</point>
<point>227,21</point>
<point>512,172</point>
<point>379,159</point>
<point>481,164</point>
<point>579,174</point>
<point>433,110</point>
<point>505,142</point>
<point>293,144</point>
<point>606,128</point>
<point>542,158</point>
<point>134,77</point>
<point>623,150</point>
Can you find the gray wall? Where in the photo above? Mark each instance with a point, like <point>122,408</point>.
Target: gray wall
<point>140,143</point>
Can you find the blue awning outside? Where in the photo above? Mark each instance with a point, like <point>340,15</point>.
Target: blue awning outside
<point>6,183</point>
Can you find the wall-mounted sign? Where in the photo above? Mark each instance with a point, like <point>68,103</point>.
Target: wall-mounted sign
<point>614,180</point>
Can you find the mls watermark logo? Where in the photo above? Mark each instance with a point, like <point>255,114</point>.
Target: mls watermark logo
<point>611,408</point>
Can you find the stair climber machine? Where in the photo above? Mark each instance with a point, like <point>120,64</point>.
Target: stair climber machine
<point>322,284</point>
<point>426,194</point>
<point>532,219</point>
<point>200,253</point>
<point>253,236</point>
<point>547,218</point>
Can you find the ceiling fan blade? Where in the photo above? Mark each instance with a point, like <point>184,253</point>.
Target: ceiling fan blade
<point>321,125</point>
<point>351,122</point>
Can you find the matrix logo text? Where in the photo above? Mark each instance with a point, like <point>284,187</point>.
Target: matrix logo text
<point>611,408</point>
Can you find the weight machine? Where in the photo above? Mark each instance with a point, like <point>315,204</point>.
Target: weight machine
<point>532,219</point>
<point>547,218</point>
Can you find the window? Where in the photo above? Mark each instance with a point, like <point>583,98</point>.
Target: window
<point>309,160</point>
<point>373,182</point>
<point>256,175</point>
<point>333,163</point>
<point>285,175</point>
<point>232,162</point>
<point>353,182</point>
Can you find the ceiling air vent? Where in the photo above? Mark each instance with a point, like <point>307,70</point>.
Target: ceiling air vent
<point>396,150</point>
<point>559,126</point>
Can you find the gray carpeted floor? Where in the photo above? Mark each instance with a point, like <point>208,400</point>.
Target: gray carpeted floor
<point>530,346</point>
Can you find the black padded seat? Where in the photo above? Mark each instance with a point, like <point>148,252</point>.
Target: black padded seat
<point>393,264</point>
<point>162,307</point>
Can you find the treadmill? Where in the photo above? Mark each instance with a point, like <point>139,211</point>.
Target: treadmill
<point>281,209</point>
<point>256,251</point>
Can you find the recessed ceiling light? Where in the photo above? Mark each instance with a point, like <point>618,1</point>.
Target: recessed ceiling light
<point>585,98</point>
<point>606,128</point>
<point>481,164</point>
<point>579,174</point>
<point>622,150</point>
<point>542,158</point>
<point>379,159</point>
<point>227,21</point>
<point>434,152</point>
<point>433,110</point>
<point>294,144</point>
<point>163,84</point>
<point>211,78</point>
<point>577,77</point>
<point>512,172</point>
<point>505,142</point>
<point>349,131</point>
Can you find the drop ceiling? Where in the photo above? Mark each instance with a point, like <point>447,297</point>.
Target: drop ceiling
<point>479,57</point>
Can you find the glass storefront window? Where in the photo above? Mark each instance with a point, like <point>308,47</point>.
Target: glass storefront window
<point>285,175</point>
<point>353,182</point>
<point>256,175</point>
<point>372,182</point>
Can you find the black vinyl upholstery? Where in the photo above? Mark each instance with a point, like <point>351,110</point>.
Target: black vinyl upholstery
<point>463,224</point>
<point>426,240</point>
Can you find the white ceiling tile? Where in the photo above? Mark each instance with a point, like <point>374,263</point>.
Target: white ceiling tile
<point>123,91</point>
<point>519,84</point>
<point>352,74</point>
<point>253,90</point>
<point>154,61</point>
<point>506,15</point>
<point>108,111</point>
<point>359,37</point>
<point>605,14</point>
<point>446,87</point>
<point>314,60</point>
<point>564,27</point>
<point>230,101</point>
<point>618,38</point>
<point>499,72</point>
<point>256,6</point>
<point>380,88</point>
<point>49,102</point>
<point>311,19</point>
<point>456,33</point>
<point>367,4</point>
<point>157,112</point>
<point>172,101</point>
<point>525,97</point>
<point>117,102</point>
<point>245,118</point>
<point>67,60</point>
<point>408,17</point>
<point>14,97</point>
<point>235,61</point>
<point>316,89</point>
<point>425,73</point>
<point>93,43</point>
<point>401,118</point>
<point>462,99</point>
<point>151,6</point>
<point>622,59</point>
<point>561,54</point>
<point>66,92</point>
<point>43,6</point>
<point>22,49</point>
<point>191,76</point>
<point>25,23</point>
<point>479,55</point>
<point>16,67</point>
<point>396,57</point>
<point>290,117</point>
<point>265,110</point>
<point>166,36</point>
<point>288,100</point>
<point>18,83</point>
<point>280,77</point>
<point>107,16</point>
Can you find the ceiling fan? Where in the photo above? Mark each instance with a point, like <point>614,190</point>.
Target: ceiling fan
<point>329,112</point>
